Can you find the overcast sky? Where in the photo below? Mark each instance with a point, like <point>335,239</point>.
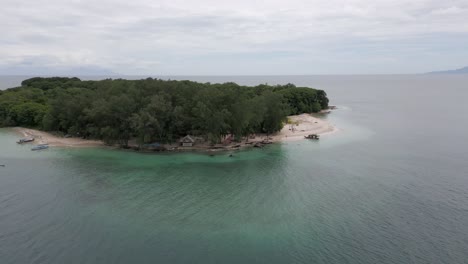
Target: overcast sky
<point>237,37</point>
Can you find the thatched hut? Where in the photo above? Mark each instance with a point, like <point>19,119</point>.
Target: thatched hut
<point>187,141</point>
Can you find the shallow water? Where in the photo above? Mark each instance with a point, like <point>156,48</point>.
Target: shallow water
<point>390,187</point>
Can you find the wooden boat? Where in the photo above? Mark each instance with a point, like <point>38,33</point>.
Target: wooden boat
<point>312,136</point>
<point>258,145</point>
<point>40,147</point>
<point>25,140</point>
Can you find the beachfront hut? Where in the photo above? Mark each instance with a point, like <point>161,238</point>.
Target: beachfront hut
<point>187,141</point>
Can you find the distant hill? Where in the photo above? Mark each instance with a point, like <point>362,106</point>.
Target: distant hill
<point>457,71</point>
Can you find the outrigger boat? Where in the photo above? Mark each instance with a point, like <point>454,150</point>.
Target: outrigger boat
<point>312,136</point>
<point>40,147</point>
<point>25,140</point>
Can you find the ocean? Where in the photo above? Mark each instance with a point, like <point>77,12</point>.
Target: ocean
<point>390,186</point>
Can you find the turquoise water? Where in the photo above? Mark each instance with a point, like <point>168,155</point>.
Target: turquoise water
<point>390,187</point>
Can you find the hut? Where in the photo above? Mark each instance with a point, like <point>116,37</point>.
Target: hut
<point>187,141</point>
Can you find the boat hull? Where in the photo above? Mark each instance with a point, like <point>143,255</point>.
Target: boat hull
<point>40,147</point>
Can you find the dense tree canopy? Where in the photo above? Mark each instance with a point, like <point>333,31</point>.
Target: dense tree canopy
<point>153,110</point>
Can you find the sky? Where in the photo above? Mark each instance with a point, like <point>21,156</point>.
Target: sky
<point>237,37</point>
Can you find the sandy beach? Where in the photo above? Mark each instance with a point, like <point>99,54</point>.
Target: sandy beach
<point>303,125</point>
<point>42,137</point>
<point>298,126</point>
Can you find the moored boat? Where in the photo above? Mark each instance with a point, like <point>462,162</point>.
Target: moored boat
<point>312,136</point>
<point>25,140</point>
<point>40,147</point>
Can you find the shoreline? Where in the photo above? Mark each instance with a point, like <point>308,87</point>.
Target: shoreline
<point>42,137</point>
<point>297,128</point>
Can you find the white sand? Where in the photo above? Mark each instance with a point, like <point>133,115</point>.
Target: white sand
<point>41,137</point>
<point>306,124</point>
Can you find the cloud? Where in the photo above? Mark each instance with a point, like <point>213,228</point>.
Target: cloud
<point>232,37</point>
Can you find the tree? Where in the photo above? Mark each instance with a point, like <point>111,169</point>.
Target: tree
<point>28,114</point>
<point>275,112</point>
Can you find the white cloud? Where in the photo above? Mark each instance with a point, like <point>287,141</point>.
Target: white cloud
<point>182,37</point>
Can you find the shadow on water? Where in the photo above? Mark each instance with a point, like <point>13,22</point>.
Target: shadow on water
<point>187,177</point>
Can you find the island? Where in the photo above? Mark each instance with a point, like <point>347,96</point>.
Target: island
<point>155,114</point>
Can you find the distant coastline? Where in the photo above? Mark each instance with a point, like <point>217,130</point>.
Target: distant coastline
<point>463,70</point>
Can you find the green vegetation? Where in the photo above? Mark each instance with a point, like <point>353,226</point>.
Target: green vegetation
<point>153,110</point>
